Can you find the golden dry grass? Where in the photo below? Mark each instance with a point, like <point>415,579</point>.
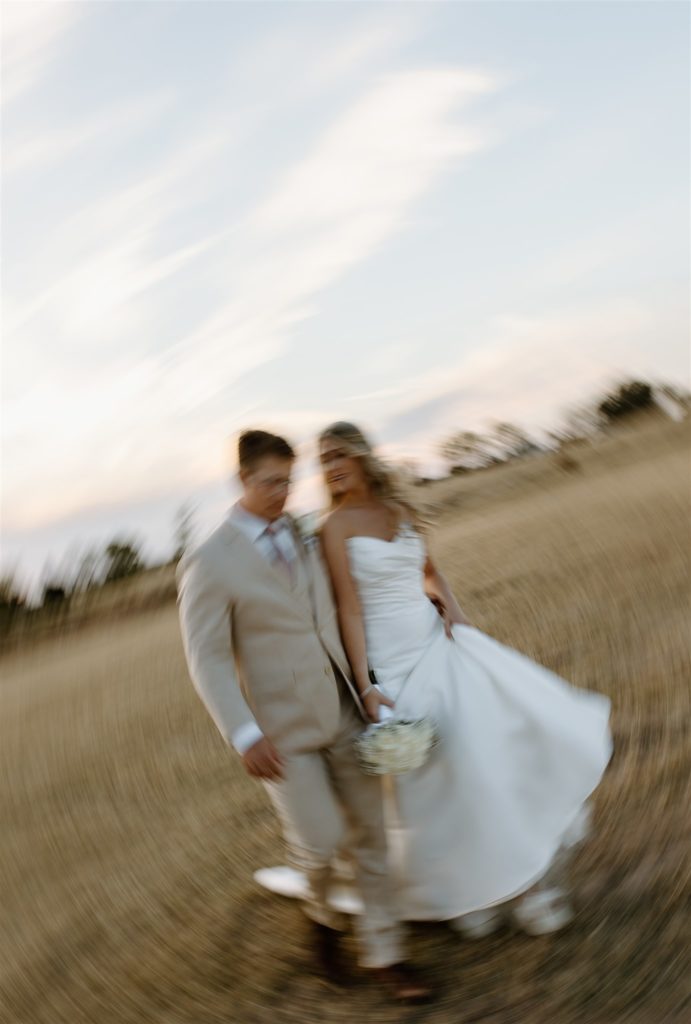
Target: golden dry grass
<point>130,832</point>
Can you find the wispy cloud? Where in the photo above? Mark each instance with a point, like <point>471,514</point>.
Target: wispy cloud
<point>29,150</point>
<point>31,36</point>
<point>299,61</point>
<point>378,157</point>
<point>350,193</point>
<point>330,211</point>
<point>529,370</point>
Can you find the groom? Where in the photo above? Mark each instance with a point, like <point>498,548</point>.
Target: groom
<point>263,648</point>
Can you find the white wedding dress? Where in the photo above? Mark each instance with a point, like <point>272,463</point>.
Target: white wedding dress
<point>520,750</point>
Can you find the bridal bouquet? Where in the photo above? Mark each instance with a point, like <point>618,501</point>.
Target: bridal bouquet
<point>395,746</point>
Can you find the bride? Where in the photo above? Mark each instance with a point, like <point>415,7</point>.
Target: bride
<point>480,832</point>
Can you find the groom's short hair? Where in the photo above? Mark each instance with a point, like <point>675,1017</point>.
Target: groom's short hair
<point>254,445</point>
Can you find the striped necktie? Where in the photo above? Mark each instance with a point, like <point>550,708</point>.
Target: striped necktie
<point>279,558</point>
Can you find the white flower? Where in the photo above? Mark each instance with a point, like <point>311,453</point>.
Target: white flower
<point>395,746</point>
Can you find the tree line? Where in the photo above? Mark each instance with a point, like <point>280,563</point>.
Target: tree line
<point>463,451</point>
<point>79,573</point>
<point>466,450</point>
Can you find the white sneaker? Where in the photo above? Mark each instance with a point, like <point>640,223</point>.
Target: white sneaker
<point>478,923</point>
<point>542,912</point>
<point>286,881</point>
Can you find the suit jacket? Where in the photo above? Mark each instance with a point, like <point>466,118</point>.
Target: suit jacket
<point>259,648</point>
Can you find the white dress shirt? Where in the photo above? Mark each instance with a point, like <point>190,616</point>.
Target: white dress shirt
<point>254,528</point>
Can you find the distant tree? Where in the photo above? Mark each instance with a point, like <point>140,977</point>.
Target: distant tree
<point>123,559</point>
<point>512,441</point>
<point>408,471</point>
<point>55,587</point>
<point>12,603</point>
<point>673,401</point>
<point>467,450</point>
<point>677,394</point>
<point>555,438</point>
<point>90,570</point>
<point>67,572</point>
<point>55,597</point>
<point>581,422</point>
<point>10,593</point>
<point>629,397</point>
<point>184,530</point>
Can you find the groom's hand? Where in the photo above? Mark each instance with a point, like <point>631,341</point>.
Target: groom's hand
<point>262,761</point>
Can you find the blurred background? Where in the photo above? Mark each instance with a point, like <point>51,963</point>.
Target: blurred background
<point>463,226</point>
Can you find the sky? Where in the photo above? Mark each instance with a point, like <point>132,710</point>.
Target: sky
<point>422,217</point>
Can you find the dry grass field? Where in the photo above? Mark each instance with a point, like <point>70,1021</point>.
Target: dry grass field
<point>130,832</point>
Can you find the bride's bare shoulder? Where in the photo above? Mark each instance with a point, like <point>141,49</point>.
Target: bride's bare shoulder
<point>337,524</point>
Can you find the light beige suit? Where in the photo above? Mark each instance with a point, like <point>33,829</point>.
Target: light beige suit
<point>260,649</point>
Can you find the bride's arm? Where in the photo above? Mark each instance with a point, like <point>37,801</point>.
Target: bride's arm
<point>439,592</point>
<point>333,539</point>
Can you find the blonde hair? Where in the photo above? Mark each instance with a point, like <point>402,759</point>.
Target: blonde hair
<point>384,481</point>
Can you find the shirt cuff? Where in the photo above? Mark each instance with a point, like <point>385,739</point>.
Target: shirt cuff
<point>246,736</point>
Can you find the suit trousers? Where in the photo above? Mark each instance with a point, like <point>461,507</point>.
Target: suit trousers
<point>323,802</point>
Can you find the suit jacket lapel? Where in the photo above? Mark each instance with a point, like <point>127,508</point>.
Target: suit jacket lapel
<point>302,576</point>
<point>312,587</point>
<point>321,597</point>
<point>326,617</point>
<point>263,565</point>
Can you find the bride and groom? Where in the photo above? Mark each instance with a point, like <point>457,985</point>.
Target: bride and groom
<point>283,638</point>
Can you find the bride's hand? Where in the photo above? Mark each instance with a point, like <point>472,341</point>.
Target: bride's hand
<point>373,702</point>
<point>450,619</point>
